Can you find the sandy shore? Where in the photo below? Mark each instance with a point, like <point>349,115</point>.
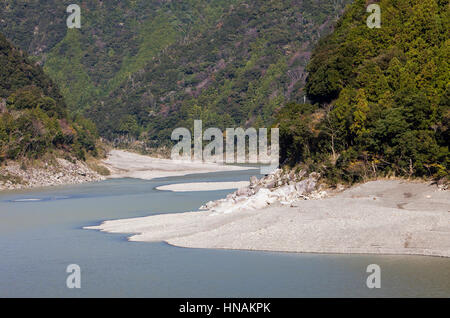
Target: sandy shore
<point>383,217</point>
<point>121,164</point>
<point>124,164</point>
<point>204,186</point>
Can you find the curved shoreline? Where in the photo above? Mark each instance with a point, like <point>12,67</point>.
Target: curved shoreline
<point>120,163</point>
<point>203,186</point>
<point>124,164</point>
<point>380,253</point>
<point>362,220</point>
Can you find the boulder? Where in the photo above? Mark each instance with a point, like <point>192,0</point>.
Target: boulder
<point>275,187</point>
<point>253,181</point>
<point>243,191</point>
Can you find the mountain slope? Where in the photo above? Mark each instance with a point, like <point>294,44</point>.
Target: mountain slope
<point>117,38</point>
<point>236,73</point>
<point>381,96</point>
<point>141,68</point>
<point>33,115</point>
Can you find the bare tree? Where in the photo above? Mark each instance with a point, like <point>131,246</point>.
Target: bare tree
<point>331,130</point>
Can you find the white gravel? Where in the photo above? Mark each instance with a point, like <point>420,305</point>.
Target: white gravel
<point>382,217</point>
<point>124,164</point>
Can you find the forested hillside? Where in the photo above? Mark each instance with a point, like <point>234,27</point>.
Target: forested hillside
<point>141,68</point>
<point>33,115</point>
<point>235,73</point>
<point>380,97</point>
<point>116,39</point>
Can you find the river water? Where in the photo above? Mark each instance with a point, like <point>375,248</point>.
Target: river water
<point>41,234</point>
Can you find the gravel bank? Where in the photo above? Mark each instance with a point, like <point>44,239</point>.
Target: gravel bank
<point>121,164</point>
<point>124,164</point>
<point>381,217</point>
<point>63,172</point>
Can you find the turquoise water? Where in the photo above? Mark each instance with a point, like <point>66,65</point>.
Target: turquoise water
<point>41,234</point>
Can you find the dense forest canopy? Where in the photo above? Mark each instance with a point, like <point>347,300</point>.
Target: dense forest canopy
<point>116,39</point>
<point>140,68</point>
<point>235,73</point>
<point>377,99</point>
<point>380,97</point>
<point>33,115</point>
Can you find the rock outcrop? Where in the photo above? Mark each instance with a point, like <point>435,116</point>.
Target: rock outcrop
<point>14,176</point>
<point>285,188</point>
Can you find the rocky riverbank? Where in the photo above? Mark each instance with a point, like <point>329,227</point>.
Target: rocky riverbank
<point>117,164</point>
<point>285,188</point>
<point>280,212</point>
<point>19,176</point>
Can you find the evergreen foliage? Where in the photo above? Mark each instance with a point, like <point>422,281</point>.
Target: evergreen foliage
<point>140,68</point>
<point>381,95</point>
<point>33,115</point>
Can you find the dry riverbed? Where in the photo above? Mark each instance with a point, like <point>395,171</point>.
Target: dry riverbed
<point>382,217</point>
<point>131,165</point>
<point>119,163</point>
<point>385,216</point>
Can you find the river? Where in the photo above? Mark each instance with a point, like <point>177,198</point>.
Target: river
<point>41,233</point>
